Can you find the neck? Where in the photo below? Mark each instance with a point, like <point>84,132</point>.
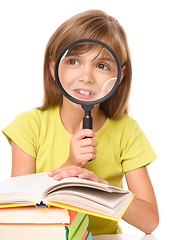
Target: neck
<point>72,116</point>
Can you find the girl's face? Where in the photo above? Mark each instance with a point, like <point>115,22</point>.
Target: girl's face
<point>87,72</point>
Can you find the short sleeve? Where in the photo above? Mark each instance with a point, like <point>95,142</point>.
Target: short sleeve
<point>24,131</point>
<point>136,151</point>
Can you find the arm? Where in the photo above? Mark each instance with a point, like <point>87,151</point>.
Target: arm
<point>142,212</point>
<point>22,163</point>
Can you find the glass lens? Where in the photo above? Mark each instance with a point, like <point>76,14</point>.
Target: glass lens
<point>87,71</point>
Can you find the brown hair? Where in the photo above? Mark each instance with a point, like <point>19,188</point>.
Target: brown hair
<point>98,25</point>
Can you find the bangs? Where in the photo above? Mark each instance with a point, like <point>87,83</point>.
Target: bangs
<point>103,31</point>
<point>80,49</point>
<point>87,47</point>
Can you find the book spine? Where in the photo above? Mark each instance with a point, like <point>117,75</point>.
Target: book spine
<point>89,236</point>
<point>85,235</point>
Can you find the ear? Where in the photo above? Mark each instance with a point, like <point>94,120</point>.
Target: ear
<point>123,72</point>
<point>51,66</point>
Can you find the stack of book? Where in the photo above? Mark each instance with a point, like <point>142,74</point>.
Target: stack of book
<point>26,223</point>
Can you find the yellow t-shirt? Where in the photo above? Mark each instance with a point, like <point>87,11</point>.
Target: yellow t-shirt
<point>122,147</point>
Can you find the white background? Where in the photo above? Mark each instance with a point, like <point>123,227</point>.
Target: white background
<point>25,28</point>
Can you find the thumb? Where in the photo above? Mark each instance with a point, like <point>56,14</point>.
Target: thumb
<point>81,125</point>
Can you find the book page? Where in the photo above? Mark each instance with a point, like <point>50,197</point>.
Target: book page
<point>91,199</point>
<point>23,185</point>
<point>74,181</point>
<point>110,200</point>
<point>19,184</point>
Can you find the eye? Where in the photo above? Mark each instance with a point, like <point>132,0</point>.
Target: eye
<point>102,66</point>
<point>73,62</point>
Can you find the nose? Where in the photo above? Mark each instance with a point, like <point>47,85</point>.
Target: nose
<point>86,76</point>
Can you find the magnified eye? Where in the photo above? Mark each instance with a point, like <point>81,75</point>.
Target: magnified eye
<point>73,62</point>
<point>102,66</point>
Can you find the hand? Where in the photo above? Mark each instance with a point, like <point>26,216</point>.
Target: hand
<point>82,150</point>
<point>73,171</point>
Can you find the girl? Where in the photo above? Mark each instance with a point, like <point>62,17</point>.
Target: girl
<point>50,138</point>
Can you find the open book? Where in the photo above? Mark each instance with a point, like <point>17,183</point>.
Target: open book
<point>71,193</point>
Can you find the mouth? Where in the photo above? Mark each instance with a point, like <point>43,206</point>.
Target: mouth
<point>84,94</point>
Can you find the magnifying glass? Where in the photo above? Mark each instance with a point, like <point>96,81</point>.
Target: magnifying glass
<point>87,72</point>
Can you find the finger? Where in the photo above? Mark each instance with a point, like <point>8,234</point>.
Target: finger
<point>68,172</point>
<point>85,154</point>
<point>52,173</point>
<point>56,171</point>
<point>82,159</point>
<point>60,170</point>
<point>88,149</point>
<point>88,142</point>
<point>84,133</point>
<point>86,157</point>
<point>86,175</point>
<point>81,124</point>
<point>84,151</point>
<point>89,175</point>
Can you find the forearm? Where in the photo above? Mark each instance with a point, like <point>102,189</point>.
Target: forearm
<point>142,215</point>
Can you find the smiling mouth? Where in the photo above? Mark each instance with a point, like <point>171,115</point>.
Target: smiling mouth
<point>84,92</point>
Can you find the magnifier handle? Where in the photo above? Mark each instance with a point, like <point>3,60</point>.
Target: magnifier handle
<point>87,123</point>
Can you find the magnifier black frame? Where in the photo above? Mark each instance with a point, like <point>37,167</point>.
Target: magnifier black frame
<point>86,104</point>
